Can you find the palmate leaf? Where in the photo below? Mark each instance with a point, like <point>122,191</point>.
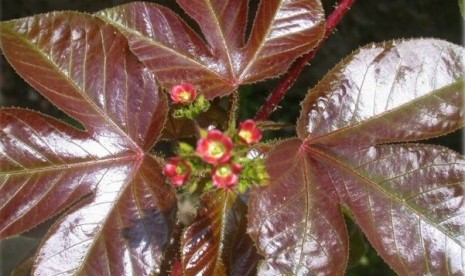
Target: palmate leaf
<point>282,31</point>
<point>408,199</point>
<point>84,67</point>
<point>216,243</point>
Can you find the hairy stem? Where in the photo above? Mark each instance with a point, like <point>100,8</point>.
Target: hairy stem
<point>278,93</point>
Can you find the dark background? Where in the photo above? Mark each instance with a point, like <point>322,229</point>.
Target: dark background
<point>368,21</point>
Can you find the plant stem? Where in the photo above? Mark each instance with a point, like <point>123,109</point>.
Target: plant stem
<point>278,93</point>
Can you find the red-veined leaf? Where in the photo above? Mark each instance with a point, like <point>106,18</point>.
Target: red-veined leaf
<point>216,243</point>
<point>410,202</point>
<point>84,67</point>
<point>296,221</point>
<point>283,30</point>
<point>389,92</point>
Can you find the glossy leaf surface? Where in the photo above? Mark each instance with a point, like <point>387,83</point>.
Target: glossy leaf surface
<point>409,201</point>
<point>389,92</point>
<point>283,30</point>
<point>216,243</point>
<point>296,221</point>
<point>84,67</point>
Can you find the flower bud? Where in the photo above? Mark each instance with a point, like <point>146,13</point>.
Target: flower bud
<point>178,170</point>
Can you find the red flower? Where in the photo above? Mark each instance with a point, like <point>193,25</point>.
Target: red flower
<point>183,93</point>
<point>215,148</point>
<point>178,170</point>
<point>249,133</point>
<point>225,175</point>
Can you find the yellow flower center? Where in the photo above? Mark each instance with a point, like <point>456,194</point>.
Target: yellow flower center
<point>185,96</point>
<point>246,135</point>
<point>181,169</point>
<point>224,171</point>
<point>216,149</point>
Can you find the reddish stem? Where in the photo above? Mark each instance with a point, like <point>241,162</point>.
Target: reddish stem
<point>177,268</point>
<point>278,93</point>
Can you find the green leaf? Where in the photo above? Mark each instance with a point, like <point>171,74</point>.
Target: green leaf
<point>296,221</point>
<point>216,243</point>
<point>389,92</point>
<point>282,31</point>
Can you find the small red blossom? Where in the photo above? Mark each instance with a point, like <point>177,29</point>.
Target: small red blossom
<point>226,175</point>
<point>183,93</point>
<point>249,133</point>
<point>178,170</point>
<point>215,148</point>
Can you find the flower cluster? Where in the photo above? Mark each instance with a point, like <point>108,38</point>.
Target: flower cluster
<point>220,157</point>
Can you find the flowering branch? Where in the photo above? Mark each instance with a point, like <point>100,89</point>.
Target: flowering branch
<point>278,93</point>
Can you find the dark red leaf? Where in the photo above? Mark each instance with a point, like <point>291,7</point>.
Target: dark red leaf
<point>389,92</point>
<point>122,229</point>
<point>84,67</point>
<point>296,221</point>
<point>283,30</point>
<point>409,201</point>
<point>46,165</point>
<point>216,243</point>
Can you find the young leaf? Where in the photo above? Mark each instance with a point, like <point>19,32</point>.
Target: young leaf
<point>84,67</point>
<point>296,221</point>
<point>408,200</point>
<point>216,242</point>
<point>283,30</point>
<point>389,92</point>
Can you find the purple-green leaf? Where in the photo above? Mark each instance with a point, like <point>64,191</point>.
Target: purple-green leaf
<point>282,31</point>
<point>409,201</point>
<point>389,92</point>
<point>296,221</point>
<point>124,211</point>
<point>216,243</point>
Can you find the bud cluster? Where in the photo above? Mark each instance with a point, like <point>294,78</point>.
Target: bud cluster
<point>189,105</point>
<point>218,159</point>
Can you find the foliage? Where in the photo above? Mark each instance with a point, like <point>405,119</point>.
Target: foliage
<point>114,205</point>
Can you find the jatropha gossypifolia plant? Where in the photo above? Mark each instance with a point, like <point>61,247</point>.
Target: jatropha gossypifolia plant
<point>137,74</point>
